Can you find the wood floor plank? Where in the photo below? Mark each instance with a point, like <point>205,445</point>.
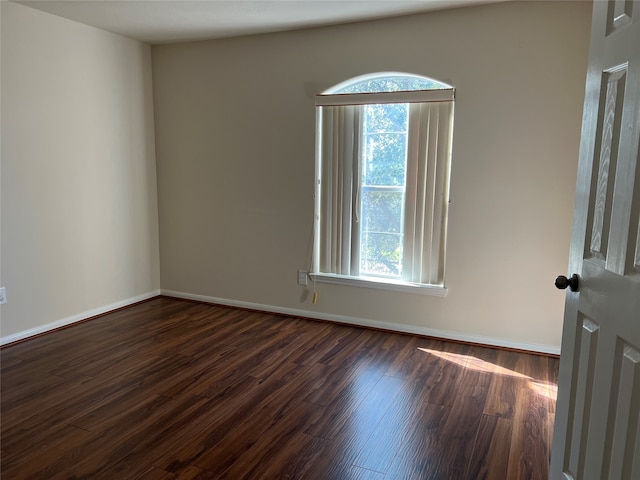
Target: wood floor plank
<point>369,411</point>
<point>157,474</point>
<point>290,459</point>
<point>195,473</point>
<point>71,403</point>
<point>504,384</point>
<point>388,436</point>
<point>357,473</point>
<point>408,359</point>
<point>28,462</point>
<point>158,420</point>
<point>175,389</point>
<point>490,459</point>
<point>249,462</point>
<point>27,423</point>
<point>530,448</point>
<point>443,375</point>
<point>429,457</point>
<point>106,448</point>
<point>29,390</point>
<point>229,408</point>
<point>251,439</point>
<point>418,455</point>
<point>147,449</point>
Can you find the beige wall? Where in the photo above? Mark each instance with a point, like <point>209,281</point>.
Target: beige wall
<point>79,199</point>
<point>235,154</point>
<point>235,128</point>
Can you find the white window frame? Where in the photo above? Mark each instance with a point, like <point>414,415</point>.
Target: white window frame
<point>429,211</point>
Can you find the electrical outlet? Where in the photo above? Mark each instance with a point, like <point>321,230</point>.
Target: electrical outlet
<point>3,296</point>
<point>302,277</point>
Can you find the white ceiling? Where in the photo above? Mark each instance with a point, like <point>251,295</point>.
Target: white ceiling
<point>168,21</point>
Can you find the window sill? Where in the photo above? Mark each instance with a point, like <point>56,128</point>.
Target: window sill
<point>382,284</point>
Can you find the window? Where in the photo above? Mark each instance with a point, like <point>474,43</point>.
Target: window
<point>382,166</point>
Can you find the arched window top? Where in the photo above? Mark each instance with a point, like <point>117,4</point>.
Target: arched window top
<point>386,82</point>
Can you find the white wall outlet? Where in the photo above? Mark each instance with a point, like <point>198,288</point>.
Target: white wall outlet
<point>3,296</point>
<point>302,277</point>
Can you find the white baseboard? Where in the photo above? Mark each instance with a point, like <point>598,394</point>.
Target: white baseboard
<point>362,322</point>
<point>76,318</point>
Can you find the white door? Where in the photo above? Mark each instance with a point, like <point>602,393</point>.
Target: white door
<point>597,433</point>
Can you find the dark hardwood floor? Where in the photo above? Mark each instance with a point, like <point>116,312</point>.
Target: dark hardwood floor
<point>171,389</point>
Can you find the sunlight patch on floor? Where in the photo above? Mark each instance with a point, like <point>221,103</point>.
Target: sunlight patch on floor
<point>549,390</point>
<point>474,363</point>
<point>546,389</point>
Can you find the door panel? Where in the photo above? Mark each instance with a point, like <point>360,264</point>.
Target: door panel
<point>582,390</point>
<point>621,434</point>
<point>605,161</point>
<point>597,429</point>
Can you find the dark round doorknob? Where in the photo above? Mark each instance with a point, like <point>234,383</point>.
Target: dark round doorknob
<point>563,282</point>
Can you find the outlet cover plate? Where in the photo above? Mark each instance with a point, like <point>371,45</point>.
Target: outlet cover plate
<point>3,295</point>
<point>302,277</point>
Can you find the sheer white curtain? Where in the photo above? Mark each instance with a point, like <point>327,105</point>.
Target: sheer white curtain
<point>427,182</point>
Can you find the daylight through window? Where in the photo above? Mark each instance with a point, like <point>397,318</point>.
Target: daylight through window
<point>384,148</point>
